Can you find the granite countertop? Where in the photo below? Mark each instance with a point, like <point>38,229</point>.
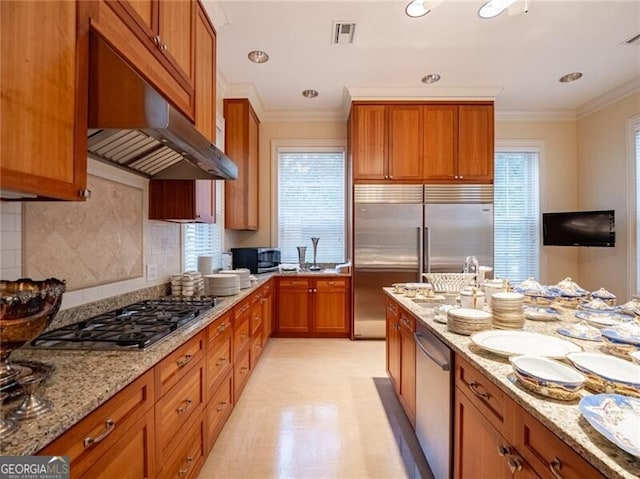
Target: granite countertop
<point>83,380</point>
<point>562,418</point>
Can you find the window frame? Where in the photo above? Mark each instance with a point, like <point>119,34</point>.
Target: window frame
<point>309,145</point>
<point>633,202</point>
<point>531,146</point>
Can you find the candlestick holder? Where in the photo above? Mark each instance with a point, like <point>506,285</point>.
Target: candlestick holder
<point>315,266</point>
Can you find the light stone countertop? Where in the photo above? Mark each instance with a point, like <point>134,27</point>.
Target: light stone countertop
<point>562,418</point>
<point>84,380</point>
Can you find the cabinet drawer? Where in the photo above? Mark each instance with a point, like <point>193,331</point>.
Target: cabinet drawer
<point>487,397</point>
<point>218,360</point>
<point>293,283</point>
<point>171,369</point>
<point>217,330</point>
<point>186,459</point>
<point>240,336</point>
<point>241,371</point>
<point>219,408</point>
<point>256,318</point>
<point>331,284</point>
<point>185,399</point>
<point>256,350</point>
<point>94,435</point>
<point>407,322</point>
<point>548,455</point>
<point>266,289</point>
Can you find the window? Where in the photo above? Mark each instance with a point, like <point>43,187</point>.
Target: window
<point>516,214</point>
<point>311,203</point>
<point>199,239</point>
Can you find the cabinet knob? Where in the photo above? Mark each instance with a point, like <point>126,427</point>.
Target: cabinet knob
<point>461,177</point>
<point>156,40</point>
<point>163,46</point>
<point>455,177</point>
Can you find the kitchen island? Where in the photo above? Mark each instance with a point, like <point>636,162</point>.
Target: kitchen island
<point>563,419</point>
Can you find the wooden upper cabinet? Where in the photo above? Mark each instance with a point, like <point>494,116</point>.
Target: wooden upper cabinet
<point>404,124</point>
<point>43,132</point>
<point>475,142</point>
<point>191,201</point>
<point>368,142</point>
<point>241,145</point>
<point>205,75</point>
<point>440,141</point>
<point>176,33</point>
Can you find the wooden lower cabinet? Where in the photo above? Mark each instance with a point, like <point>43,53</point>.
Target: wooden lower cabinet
<point>122,428</point>
<point>241,372</point>
<point>219,409</point>
<point>313,307</point>
<point>407,385</point>
<point>393,344</point>
<point>480,451</point>
<point>187,457</point>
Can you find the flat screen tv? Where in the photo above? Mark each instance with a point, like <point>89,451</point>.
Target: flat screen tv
<point>579,228</point>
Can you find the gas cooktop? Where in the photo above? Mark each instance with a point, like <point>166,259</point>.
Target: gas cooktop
<point>133,327</point>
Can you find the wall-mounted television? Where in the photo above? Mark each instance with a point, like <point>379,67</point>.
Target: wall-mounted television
<point>579,228</point>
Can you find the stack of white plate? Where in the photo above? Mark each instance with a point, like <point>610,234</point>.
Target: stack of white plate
<point>243,273</point>
<point>468,321</point>
<point>205,264</point>
<point>507,310</point>
<point>221,284</point>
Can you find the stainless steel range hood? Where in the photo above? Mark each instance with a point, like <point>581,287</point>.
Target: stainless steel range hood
<point>132,126</point>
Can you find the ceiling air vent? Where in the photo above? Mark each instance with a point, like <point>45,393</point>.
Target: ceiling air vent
<point>633,41</point>
<point>343,33</point>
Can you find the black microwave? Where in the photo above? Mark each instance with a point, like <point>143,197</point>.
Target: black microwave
<point>258,260</point>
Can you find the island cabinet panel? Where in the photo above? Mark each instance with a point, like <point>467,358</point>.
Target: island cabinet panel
<point>550,457</point>
<point>241,145</point>
<point>368,142</point>
<point>120,434</point>
<point>407,393</point>
<point>393,343</point>
<point>43,71</point>
<point>404,124</point>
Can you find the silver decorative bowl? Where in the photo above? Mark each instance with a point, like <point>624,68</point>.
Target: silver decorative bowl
<point>27,307</point>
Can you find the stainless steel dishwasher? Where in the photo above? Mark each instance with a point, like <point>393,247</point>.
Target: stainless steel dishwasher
<point>434,421</point>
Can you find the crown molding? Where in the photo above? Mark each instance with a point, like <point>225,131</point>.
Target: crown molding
<point>216,13</point>
<point>423,94</point>
<point>612,96</point>
<point>249,91</point>
<point>297,115</point>
<point>517,115</point>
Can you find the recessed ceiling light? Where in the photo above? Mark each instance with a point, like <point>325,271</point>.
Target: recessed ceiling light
<point>431,78</point>
<point>310,93</point>
<point>569,77</point>
<point>258,56</point>
<point>416,9</point>
<point>493,8</point>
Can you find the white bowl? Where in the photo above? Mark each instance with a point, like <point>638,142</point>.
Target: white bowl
<point>606,373</point>
<point>548,377</point>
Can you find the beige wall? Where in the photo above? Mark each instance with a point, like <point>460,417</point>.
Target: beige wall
<point>269,131</point>
<point>603,156</point>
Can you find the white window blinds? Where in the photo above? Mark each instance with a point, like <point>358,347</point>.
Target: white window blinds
<point>516,216</point>
<point>311,203</point>
<point>199,239</point>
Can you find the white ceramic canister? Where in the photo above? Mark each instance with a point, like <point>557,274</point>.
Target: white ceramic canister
<point>472,299</point>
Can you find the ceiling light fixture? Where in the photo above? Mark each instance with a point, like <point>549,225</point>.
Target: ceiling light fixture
<point>431,78</point>
<point>416,9</point>
<point>258,56</point>
<point>493,8</point>
<point>310,93</point>
<point>569,77</point>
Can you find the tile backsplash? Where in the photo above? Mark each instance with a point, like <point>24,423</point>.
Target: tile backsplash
<point>10,240</point>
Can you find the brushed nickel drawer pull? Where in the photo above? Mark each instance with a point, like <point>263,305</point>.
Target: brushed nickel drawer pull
<point>243,369</point>
<point>110,425</point>
<point>222,327</point>
<point>222,406</point>
<point>514,464</point>
<point>182,362</point>
<point>555,466</point>
<point>189,463</point>
<point>474,389</point>
<point>183,409</point>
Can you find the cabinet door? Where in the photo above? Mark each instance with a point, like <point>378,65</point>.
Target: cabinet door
<point>393,344</point>
<point>267,311</point>
<point>293,306</point>
<point>479,450</point>
<point>205,75</point>
<point>175,28</point>
<point>408,370</point>
<point>368,145</point>
<point>182,200</point>
<point>252,173</point>
<point>330,307</point>
<point>43,135</point>
<point>205,201</point>
<point>404,124</point>
<point>476,142</point>
<point>440,141</point>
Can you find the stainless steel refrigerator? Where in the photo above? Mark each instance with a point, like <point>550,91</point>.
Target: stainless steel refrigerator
<point>402,231</point>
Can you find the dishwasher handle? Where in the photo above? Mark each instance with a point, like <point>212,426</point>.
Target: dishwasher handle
<point>442,363</point>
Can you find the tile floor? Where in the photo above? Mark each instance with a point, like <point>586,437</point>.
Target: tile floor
<point>318,408</point>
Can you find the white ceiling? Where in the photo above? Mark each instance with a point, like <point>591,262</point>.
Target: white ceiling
<point>516,59</point>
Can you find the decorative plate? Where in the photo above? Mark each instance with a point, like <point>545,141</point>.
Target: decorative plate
<point>580,331</point>
<point>600,319</point>
<point>548,377</point>
<point>509,343</point>
<point>607,374</point>
<point>616,417</point>
<point>628,333</point>
<point>542,314</point>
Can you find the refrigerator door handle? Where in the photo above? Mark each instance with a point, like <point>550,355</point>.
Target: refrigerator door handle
<point>425,264</point>
<point>421,253</point>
